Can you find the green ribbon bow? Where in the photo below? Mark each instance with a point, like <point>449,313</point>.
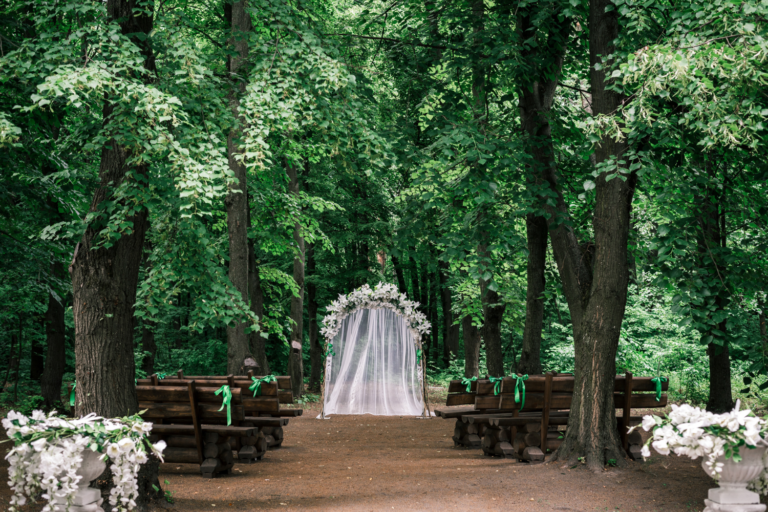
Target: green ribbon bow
<point>227,401</point>
<point>72,395</point>
<point>496,381</point>
<point>329,351</point>
<point>162,375</point>
<point>468,383</point>
<point>658,380</point>
<point>520,390</point>
<point>418,356</point>
<point>256,386</point>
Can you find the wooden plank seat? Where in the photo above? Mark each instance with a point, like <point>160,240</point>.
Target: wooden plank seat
<point>191,420</point>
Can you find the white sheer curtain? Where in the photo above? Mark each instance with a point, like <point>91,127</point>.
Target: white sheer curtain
<point>374,370</point>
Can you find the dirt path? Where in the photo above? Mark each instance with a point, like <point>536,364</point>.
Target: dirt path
<point>368,463</point>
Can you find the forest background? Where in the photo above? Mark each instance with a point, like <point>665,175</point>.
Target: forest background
<point>239,165</point>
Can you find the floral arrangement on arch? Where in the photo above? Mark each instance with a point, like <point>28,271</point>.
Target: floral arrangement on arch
<point>695,432</point>
<point>49,450</point>
<point>384,295</point>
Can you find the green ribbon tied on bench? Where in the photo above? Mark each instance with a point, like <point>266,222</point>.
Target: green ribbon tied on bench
<point>226,402</point>
<point>658,381</point>
<point>496,381</point>
<point>468,383</point>
<point>520,390</point>
<point>161,376</point>
<point>72,395</point>
<point>256,386</point>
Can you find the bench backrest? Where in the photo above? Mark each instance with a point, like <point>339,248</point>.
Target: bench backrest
<point>188,402</point>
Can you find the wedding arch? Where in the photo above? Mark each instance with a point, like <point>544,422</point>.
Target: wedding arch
<point>374,362</point>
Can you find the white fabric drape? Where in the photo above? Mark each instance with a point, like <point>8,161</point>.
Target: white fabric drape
<point>374,370</point>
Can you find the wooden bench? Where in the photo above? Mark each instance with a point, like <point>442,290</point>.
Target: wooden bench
<point>190,419</point>
<point>263,411</point>
<point>496,424</point>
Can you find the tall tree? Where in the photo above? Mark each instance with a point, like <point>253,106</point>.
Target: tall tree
<point>237,198</point>
<point>55,356</point>
<point>597,296</point>
<point>315,349</point>
<point>295,361</point>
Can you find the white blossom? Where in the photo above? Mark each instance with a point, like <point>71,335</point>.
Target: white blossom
<point>46,459</point>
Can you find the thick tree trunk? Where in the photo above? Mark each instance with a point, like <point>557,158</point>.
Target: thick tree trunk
<point>720,394</point>
<point>315,349</point>
<point>537,233</point>
<point>104,280</point>
<point>295,360</point>
<point>451,330</point>
<point>237,198</point>
<point>104,284</point>
<point>471,347</point>
<point>592,429</point>
<point>55,357</point>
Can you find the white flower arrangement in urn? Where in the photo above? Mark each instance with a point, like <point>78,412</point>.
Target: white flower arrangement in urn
<point>57,458</point>
<point>732,446</point>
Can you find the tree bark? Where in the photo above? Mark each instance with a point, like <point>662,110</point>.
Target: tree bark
<point>295,360</point>
<point>592,429</point>
<point>471,347</point>
<point>315,350</point>
<point>451,329</point>
<point>493,314</point>
<point>537,233</point>
<point>415,284</point>
<point>236,201</point>
<point>55,357</point>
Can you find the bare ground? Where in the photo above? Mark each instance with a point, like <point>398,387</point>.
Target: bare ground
<point>373,463</point>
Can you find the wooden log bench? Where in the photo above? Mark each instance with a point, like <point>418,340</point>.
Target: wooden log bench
<point>547,402</point>
<point>496,424</point>
<point>188,417</point>
<point>264,411</point>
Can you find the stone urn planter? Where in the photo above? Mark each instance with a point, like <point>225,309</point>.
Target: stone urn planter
<point>87,499</point>
<point>732,495</point>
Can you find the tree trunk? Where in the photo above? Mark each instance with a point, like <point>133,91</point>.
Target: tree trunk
<point>104,280</point>
<point>148,347</point>
<point>315,350</point>
<point>399,274</point>
<point>711,220</point>
<point>471,347</point>
<point>295,360</point>
<point>36,360</point>
<point>451,330</point>
<point>763,325</point>
<point>55,357</point>
<point>414,271</point>
<point>433,314</point>
<point>237,202</point>
<point>493,314</point>
<point>530,357</point>
<point>257,342</point>
<point>592,429</point>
